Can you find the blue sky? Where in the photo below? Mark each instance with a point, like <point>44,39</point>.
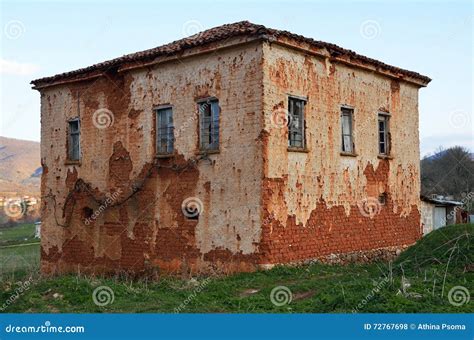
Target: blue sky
<point>42,38</point>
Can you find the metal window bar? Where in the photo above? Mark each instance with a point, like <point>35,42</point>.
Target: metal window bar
<point>165,131</point>
<point>209,132</point>
<point>383,135</point>
<point>74,140</point>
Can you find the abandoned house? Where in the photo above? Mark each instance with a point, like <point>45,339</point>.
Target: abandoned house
<point>237,148</point>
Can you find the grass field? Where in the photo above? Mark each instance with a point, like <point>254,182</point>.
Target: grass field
<point>435,275</point>
<point>19,251</point>
<point>23,233</point>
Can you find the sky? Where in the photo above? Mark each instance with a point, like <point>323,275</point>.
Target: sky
<point>434,38</point>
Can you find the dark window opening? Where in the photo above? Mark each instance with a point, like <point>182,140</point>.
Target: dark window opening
<point>296,123</point>
<point>74,148</point>
<point>193,217</point>
<point>346,128</point>
<point>209,124</point>
<point>191,212</point>
<point>87,212</point>
<point>383,198</point>
<point>164,131</point>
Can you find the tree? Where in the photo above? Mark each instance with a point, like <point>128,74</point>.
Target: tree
<point>449,172</point>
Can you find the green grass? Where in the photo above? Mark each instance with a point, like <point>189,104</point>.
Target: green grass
<point>19,251</point>
<point>17,261</point>
<point>23,233</point>
<point>418,281</point>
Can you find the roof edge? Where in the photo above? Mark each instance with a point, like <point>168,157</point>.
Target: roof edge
<point>366,63</point>
<point>223,33</point>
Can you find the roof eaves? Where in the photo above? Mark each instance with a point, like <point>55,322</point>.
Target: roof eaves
<point>216,34</point>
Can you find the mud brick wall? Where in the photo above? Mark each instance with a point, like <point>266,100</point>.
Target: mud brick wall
<point>312,200</point>
<point>262,204</point>
<point>144,227</point>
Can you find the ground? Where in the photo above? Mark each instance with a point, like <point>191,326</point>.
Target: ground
<point>19,251</point>
<point>432,276</point>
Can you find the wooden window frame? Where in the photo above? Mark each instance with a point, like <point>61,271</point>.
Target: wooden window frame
<point>301,128</point>
<point>159,110</point>
<point>348,111</point>
<point>212,135</point>
<point>385,118</point>
<point>70,140</point>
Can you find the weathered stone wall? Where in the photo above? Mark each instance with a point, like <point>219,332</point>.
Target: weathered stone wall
<point>427,212</point>
<point>311,199</point>
<point>142,225</point>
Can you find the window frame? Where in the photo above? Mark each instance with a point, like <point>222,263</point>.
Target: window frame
<point>70,140</point>
<point>351,111</point>
<point>214,126</point>
<point>383,117</point>
<point>170,143</point>
<point>302,128</point>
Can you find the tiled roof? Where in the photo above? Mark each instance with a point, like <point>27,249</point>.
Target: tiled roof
<point>242,28</point>
<point>440,201</point>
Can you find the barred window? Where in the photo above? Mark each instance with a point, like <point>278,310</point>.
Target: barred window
<point>164,131</point>
<point>74,142</point>
<point>346,128</point>
<point>209,124</point>
<point>384,133</point>
<point>296,131</point>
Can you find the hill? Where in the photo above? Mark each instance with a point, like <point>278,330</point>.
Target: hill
<point>20,166</point>
<point>449,172</point>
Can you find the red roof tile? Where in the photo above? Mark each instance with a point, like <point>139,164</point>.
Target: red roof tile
<point>243,28</point>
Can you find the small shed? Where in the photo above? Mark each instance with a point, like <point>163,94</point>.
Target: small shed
<point>38,229</point>
<point>438,211</point>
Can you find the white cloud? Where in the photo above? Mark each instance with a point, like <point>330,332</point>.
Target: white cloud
<point>17,68</point>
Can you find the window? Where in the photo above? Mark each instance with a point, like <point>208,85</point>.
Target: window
<point>346,128</point>
<point>383,198</point>
<point>87,212</point>
<point>164,131</point>
<point>74,142</point>
<point>209,125</point>
<point>296,138</point>
<point>384,147</point>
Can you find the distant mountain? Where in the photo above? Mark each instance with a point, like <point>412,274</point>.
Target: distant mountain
<point>20,166</point>
<point>442,153</point>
